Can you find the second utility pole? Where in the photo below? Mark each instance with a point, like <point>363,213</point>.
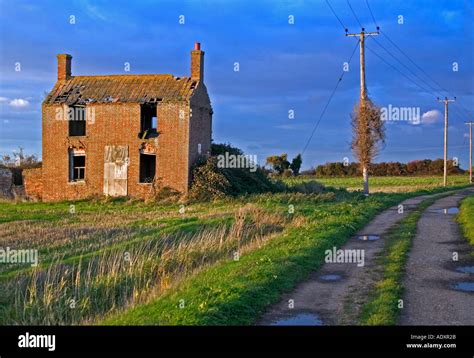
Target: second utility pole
<point>446,102</point>
<point>363,88</point>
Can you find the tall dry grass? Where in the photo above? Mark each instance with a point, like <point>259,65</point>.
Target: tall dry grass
<point>89,289</point>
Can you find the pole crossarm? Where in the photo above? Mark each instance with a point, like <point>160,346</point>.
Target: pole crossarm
<point>362,33</point>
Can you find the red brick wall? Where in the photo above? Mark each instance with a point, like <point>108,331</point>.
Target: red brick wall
<point>119,124</point>
<point>200,124</point>
<point>172,158</point>
<point>33,182</point>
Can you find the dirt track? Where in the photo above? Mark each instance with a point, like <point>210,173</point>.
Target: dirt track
<point>338,302</point>
<point>429,297</point>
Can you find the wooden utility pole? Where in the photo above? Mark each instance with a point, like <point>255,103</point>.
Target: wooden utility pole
<point>470,150</point>
<point>362,35</point>
<point>363,87</point>
<point>446,102</point>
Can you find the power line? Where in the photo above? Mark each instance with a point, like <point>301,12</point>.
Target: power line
<point>433,91</point>
<point>337,17</point>
<point>397,70</point>
<point>353,13</point>
<point>372,14</point>
<point>462,147</point>
<point>422,70</point>
<point>413,62</point>
<point>408,68</point>
<point>329,101</point>
<point>457,113</point>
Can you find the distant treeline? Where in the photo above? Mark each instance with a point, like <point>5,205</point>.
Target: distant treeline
<point>415,167</point>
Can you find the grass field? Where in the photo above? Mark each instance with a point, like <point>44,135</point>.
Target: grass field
<point>129,262</point>
<point>385,184</point>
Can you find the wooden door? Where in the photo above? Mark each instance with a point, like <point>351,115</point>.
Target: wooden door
<point>116,162</point>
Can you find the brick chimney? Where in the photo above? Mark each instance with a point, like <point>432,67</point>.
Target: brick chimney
<point>197,63</point>
<point>64,67</point>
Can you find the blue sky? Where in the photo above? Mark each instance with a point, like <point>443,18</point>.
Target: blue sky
<point>283,66</point>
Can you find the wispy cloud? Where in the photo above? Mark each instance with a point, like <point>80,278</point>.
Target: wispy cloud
<point>432,116</point>
<point>19,103</point>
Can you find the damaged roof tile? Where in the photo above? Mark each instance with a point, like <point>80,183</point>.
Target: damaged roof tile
<point>121,88</point>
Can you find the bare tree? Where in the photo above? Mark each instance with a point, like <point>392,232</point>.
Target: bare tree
<point>19,159</point>
<point>368,133</point>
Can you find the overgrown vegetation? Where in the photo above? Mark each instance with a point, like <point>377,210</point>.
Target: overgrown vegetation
<point>367,135</point>
<point>211,180</point>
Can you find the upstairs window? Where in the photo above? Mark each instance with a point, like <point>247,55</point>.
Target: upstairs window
<point>148,121</point>
<point>77,165</point>
<point>77,121</point>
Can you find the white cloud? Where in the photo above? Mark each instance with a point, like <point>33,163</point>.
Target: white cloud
<point>19,103</point>
<point>3,99</point>
<point>431,117</point>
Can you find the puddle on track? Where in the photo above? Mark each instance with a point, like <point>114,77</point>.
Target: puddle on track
<point>368,237</point>
<point>299,319</point>
<point>465,269</point>
<point>465,286</point>
<point>452,210</point>
<point>330,277</point>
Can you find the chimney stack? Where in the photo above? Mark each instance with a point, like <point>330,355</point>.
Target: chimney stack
<point>64,67</point>
<point>197,63</point>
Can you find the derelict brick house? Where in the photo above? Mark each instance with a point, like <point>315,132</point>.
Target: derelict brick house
<point>116,135</point>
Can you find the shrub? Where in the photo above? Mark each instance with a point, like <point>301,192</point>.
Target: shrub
<point>209,181</point>
<point>309,187</point>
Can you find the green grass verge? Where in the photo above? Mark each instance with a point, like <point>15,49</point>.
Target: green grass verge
<point>466,218</point>
<point>382,306</point>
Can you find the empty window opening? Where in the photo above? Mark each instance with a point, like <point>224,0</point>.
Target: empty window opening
<point>147,168</point>
<point>77,121</point>
<point>149,121</point>
<point>77,166</point>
